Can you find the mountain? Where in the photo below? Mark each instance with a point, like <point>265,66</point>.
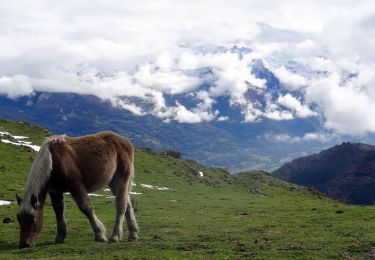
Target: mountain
<point>186,210</point>
<point>231,144</point>
<point>344,172</point>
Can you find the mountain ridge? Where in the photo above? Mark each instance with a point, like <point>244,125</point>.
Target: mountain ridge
<point>345,172</point>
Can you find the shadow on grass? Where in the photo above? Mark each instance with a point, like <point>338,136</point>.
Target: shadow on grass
<point>5,246</point>
<point>10,246</point>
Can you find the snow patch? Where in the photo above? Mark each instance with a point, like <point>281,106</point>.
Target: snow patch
<point>4,202</point>
<point>18,142</point>
<point>34,147</point>
<point>200,174</point>
<point>95,195</point>
<point>24,142</point>
<point>18,137</point>
<point>132,193</point>
<point>153,187</point>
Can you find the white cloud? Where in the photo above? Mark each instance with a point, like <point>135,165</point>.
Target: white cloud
<point>285,138</point>
<point>292,80</point>
<point>295,105</point>
<point>181,114</point>
<point>279,115</point>
<point>18,85</point>
<point>171,82</point>
<point>145,50</point>
<point>347,108</point>
<point>222,118</point>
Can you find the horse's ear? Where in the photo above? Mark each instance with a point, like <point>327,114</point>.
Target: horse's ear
<point>34,201</point>
<point>19,199</point>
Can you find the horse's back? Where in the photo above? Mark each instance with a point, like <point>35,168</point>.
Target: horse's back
<point>92,159</point>
<point>103,143</point>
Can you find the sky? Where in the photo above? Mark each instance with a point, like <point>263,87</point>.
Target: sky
<point>130,51</point>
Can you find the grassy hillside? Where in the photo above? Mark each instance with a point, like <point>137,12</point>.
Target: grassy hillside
<point>216,216</point>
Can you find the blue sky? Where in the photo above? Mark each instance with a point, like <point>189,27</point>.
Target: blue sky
<point>321,51</point>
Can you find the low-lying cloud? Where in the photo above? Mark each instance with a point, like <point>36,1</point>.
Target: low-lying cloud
<point>286,138</point>
<point>201,49</point>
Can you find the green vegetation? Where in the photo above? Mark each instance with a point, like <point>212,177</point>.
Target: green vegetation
<point>216,216</point>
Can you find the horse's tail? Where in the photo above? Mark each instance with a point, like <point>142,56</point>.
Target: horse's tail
<point>131,172</point>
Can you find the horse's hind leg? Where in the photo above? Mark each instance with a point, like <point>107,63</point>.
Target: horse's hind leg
<point>132,223</point>
<point>58,204</point>
<point>120,190</point>
<point>84,204</point>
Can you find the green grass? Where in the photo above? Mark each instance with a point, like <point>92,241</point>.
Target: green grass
<point>215,217</point>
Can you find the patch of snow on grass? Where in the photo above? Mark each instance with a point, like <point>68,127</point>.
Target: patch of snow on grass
<point>200,174</point>
<point>95,195</point>
<point>154,187</point>
<point>18,137</point>
<point>18,142</point>
<point>24,142</point>
<point>4,202</point>
<point>34,147</point>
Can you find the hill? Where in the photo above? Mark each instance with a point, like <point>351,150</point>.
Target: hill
<point>205,213</point>
<point>345,172</point>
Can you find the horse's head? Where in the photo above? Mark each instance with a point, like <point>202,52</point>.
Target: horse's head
<point>30,218</point>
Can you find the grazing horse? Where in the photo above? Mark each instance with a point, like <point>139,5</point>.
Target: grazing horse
<point>78,165</point>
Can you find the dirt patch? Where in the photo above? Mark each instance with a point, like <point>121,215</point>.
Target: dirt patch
<point>316,193</point>
<point>368,255</point>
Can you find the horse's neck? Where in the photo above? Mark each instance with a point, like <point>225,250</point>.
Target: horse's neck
<point>39,191</point>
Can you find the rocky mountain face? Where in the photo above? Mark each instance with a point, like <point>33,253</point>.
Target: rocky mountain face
<point>344,172</point>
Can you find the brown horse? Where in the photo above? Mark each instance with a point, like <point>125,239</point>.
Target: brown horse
<point>78,165</point>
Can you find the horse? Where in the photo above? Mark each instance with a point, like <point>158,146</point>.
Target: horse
<point>78,165</point>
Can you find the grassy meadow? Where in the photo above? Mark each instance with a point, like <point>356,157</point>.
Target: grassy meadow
<point>217,216</point>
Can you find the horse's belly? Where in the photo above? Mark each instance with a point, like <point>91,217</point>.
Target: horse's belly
<point>99,178</point>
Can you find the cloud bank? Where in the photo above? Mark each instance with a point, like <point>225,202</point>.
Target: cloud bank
<point>137,53</point>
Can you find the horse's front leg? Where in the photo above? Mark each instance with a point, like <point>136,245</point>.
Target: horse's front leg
<point>82,199</point>
<point>58,204</point>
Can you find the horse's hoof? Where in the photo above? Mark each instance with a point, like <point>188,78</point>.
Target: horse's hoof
<point>114,239</point>
<point>133,238</point>
<point>59,240</point>
<point>100,239</point>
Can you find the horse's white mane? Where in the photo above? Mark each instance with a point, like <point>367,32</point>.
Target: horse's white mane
<point>40,172</point>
